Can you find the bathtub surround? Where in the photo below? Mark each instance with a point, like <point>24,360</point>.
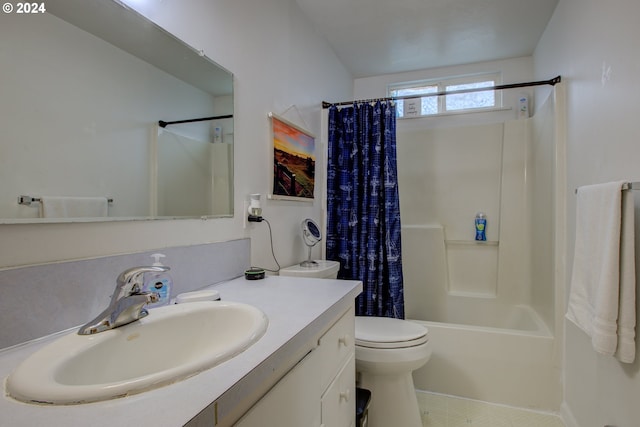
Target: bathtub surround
<point>493,309</point>
<point>446,176</point>
<point>504,169</point>
<point>490,304</point>
<point>44,299</point>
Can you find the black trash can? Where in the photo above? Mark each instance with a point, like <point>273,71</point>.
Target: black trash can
<point>363,397</point>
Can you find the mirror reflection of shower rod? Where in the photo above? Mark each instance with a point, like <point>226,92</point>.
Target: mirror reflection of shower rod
<point>164,124</point>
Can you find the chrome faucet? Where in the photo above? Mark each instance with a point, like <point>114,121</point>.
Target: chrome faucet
<point>127,302</point>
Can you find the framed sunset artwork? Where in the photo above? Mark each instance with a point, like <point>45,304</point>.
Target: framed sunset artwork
<point>294,161</point>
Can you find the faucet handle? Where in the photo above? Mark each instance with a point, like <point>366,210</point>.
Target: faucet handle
<point>130,281</point>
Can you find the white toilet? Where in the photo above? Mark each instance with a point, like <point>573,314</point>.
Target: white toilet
<point>387,352</point>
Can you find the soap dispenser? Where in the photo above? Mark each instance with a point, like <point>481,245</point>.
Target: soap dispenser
<point>481,227</point>
<point>159,283</point>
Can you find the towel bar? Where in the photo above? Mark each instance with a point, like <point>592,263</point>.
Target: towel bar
<point>625,186</point>
<point>27,200</point>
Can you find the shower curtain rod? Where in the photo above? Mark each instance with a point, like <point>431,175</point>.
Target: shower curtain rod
<point>163,124</point>
<point>551,82</point>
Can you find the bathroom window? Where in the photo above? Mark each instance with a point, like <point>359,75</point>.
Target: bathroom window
<point>434,105</point>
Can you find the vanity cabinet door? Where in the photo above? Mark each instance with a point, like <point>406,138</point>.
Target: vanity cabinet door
<point>319,391</point>
<point>292,402</point>
<point>338,373</point>
<point>335,347</point>
<point>338,402</point>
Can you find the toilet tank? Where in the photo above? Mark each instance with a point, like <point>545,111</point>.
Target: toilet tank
<point>324,270</point>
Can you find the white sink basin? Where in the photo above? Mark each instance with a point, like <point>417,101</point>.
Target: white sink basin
<point>170,344</point>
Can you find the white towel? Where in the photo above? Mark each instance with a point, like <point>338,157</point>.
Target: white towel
<point>73,207</point>
<point>602,298</point>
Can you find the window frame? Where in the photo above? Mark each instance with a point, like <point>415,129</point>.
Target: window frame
<point>441,84</point>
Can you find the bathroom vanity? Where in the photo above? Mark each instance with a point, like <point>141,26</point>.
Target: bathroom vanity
<point>301,372</point>
<point>319,390</point>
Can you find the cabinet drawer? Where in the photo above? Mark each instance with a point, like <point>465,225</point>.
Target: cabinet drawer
<point>339,401</point>
<point>335,346</point>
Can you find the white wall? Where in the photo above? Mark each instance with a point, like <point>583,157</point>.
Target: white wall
<point>278,61</point>
<point>594,46</point>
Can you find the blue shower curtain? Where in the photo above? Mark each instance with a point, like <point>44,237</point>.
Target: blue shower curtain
<point>363,210</point>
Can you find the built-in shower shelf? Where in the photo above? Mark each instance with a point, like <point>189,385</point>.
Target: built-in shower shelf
<point>473,242</point>
<point>472,267</point>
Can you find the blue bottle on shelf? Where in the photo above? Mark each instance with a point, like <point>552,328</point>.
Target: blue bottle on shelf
<point>481,227</point>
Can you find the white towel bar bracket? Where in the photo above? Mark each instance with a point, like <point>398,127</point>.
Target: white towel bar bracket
<point>625,186</point>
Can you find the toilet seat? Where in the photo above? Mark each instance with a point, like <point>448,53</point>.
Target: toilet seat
<point>388,333</point>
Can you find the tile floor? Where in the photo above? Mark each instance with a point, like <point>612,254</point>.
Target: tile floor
<point>447,411</point>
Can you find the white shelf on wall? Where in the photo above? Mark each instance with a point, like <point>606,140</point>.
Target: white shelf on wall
<point>472,267</point>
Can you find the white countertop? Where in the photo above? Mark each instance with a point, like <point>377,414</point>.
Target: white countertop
<point>299,309</point>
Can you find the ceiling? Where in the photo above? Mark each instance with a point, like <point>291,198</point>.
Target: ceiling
<point>374,37</point>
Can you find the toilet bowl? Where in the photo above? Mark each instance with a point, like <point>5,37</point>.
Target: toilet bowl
<point>387,352</point>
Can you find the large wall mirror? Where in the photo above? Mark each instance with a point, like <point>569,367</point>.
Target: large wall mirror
<point>83,89</point>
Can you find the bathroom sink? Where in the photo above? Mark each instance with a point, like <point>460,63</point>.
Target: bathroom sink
<point>170,344</point>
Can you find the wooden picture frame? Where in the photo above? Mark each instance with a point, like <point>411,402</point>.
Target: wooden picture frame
<point>294,161</point>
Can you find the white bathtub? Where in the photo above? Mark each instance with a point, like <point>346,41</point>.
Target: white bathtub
<point>487,313</point>
<point>507,360</point>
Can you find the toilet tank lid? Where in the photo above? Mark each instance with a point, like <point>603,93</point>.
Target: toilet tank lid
<point>323,269</point>
<point>387,330</point>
